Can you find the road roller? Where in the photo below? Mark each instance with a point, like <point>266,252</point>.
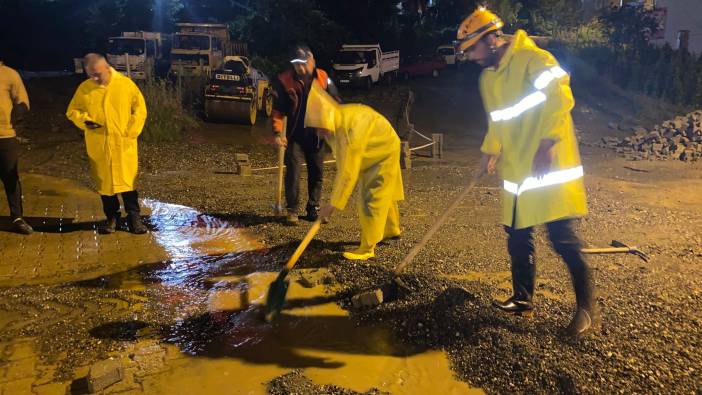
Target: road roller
<point>237,92</point>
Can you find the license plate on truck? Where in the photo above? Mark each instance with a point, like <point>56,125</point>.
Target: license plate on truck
<point>227,77</point>
<point>344,81</point>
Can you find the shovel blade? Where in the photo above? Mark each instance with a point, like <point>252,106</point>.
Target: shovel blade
<point>275,298</point>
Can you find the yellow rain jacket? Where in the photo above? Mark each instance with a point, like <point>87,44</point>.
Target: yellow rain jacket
<point>528,98</point>
<point>367,150</point>
<point>112,149</point>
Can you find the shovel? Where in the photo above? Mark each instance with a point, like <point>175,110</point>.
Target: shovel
<point>397,284</point>
<point>279,287</point>
<point>278,207</point>
<point>617,247</point>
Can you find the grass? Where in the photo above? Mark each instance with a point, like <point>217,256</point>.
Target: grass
<point>167,116</point>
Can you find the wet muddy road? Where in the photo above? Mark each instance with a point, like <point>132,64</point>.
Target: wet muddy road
<point>180,307</point>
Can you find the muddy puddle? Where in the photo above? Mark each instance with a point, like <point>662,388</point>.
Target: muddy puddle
<point>192,323</point>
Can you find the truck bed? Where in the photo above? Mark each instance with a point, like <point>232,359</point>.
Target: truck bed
<point>389,61</point>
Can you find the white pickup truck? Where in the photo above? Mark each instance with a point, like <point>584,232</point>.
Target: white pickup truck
<point>364,65</point>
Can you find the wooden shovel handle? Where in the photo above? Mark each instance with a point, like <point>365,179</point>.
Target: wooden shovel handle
<point>303,245</point>
<point>281,162</point>
<point>437,224</point>
<point>607,250</point>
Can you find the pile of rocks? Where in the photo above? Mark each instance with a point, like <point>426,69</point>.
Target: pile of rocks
<point>679,139</point>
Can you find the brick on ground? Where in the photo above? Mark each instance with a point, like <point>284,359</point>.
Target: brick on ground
<point>104,373</point>
<point>367,299</point>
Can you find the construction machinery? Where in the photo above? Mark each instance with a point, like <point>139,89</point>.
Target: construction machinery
<point>139,55</point>
<point>200,48</point>
<point>237,92</point>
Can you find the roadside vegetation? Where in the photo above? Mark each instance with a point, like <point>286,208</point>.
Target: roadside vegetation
<point>168,116</point>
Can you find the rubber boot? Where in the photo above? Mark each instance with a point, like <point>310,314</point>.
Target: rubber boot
<point>360,254</point>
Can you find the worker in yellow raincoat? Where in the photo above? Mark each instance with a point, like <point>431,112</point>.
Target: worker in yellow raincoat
<point>367,151</point>
<point>110,110</point>
<point>530,132</point>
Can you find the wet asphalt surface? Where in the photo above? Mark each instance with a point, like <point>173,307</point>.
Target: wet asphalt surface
<point>650,336</point>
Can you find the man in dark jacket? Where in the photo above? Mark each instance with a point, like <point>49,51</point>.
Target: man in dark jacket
<point>291,88</point>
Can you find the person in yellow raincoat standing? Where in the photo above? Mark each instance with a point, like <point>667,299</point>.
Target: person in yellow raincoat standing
<point>111,112</point>
<point>367,152</point>
<point>530,132</point>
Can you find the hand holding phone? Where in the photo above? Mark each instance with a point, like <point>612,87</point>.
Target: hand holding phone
<point>92,125</point>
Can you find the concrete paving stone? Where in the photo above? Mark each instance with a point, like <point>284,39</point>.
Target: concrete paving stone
<point>51,389</point>
<point>45,375</point>
<point>20,349</point>
<point>126,385</point>
<point>150,358</point>
<point>174,352</point>
<point>22,369</point>
<point>367,299</point>
<point>104,374</point>
<point>17,387</point>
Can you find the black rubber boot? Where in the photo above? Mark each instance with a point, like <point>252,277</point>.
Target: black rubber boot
<point>109,227</point>
<point>513,305</point>
<point>584,322</point>
<point>135,225</point>
<point>21,226</point>
<point>312,213</point>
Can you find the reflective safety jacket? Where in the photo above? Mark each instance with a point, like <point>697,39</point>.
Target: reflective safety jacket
<point>120,109</point>
<point>289,99</point>
<point>528,98</point>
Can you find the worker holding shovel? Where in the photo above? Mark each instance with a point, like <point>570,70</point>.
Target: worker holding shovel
<point>290,90</point>
<point>367,151</point>
<point>530,131</point>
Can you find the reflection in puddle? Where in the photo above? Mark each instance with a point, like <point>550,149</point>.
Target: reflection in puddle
<point>192,323</point>
<point>226,338</point>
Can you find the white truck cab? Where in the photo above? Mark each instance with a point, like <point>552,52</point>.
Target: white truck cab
<point>364,65</point>
<point>448,52</point>
<point>136,54</point>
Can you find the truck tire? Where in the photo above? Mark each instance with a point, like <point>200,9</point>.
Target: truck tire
<point>368,83</point>
<point>388,79</point>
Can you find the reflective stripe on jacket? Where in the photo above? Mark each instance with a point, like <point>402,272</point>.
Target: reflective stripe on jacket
<point>528,98</point>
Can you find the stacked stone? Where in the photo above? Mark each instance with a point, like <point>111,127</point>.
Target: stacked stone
<point>676,139</point>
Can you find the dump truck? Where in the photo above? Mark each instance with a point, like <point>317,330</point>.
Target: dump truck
<point>200,48</point>
<point>237,92</point>
<point>139,55</point>
<point>365,65</point>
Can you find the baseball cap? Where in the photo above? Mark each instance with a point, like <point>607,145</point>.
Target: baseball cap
<point>300,54</point>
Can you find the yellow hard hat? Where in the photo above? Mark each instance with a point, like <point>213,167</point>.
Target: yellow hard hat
<point>475,26</point>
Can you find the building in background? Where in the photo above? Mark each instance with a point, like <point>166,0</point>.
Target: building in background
<point>681,24</point>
